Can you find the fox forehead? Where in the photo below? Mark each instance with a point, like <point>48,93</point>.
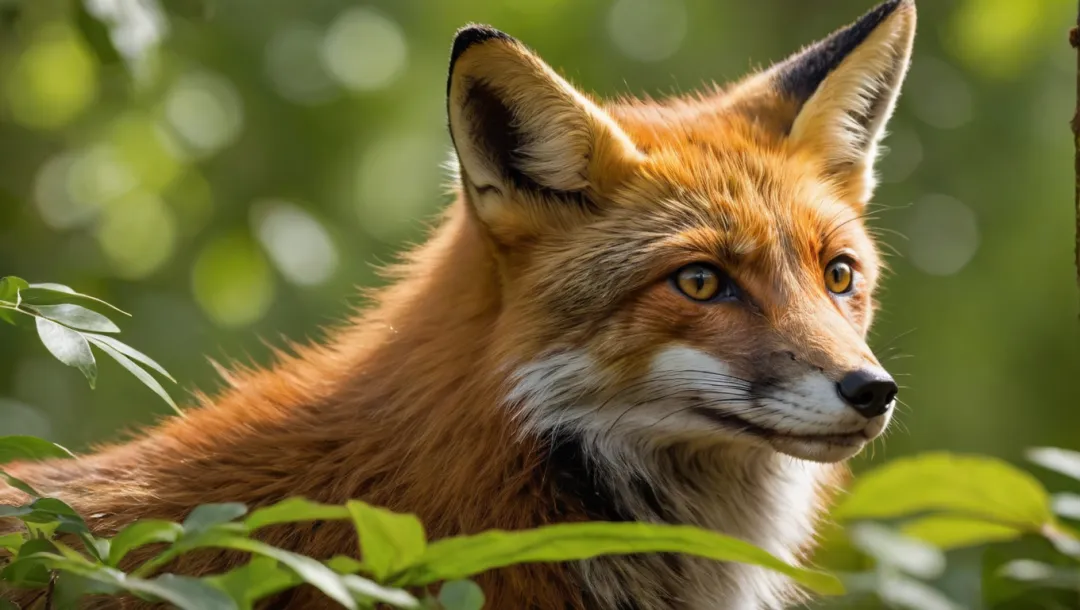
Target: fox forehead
<point>741,201</point>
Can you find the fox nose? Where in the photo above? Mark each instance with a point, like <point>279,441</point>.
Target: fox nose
<point>869,391</point>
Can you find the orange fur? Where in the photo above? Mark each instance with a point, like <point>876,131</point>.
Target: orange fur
<point>571,216</point>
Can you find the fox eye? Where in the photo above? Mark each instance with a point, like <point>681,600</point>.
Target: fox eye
<point>702,282</point>
<point>839,277</point>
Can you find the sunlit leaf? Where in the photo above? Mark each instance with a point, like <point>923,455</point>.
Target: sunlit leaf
<point>77,317</point>
<point>345,565</point>
<point>463,556</point>
<point>293,510</point>
<point>10,287</point>
<point>68,347</point>
<point>310,570</point>
<point>1067,505</point>
<point>370,591</point>
<point>952,532</point>
<point>136,370</point>
<point>130,352</point>
<point>1058,577</point>
<point>262,576</point>
<point>141,533</point>
<point>980,487</point>
<point>206,516</point>
<point>9,292</point>
<point>1059,460</point>
<point>891,548</point>
<point>11,542</point>
<point>900,591</point>
<point>389,542</point>
<point>461,595</point>
<point>183,592</point>
<point>30,449</point>
<point>57,294</point>
<point>18,484</point>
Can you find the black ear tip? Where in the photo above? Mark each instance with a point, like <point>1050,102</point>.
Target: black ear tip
<point>474,34</point>
<point>801,74</point>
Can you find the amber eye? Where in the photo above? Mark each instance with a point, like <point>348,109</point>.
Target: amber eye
<point>839,277</point>
<point>702,283</point>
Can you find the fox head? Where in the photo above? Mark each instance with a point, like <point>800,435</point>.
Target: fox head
<point>693,270</point>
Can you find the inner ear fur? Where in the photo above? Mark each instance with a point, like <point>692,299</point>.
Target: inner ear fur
<point>517,126</point>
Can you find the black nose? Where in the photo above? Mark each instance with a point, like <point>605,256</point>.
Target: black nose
<point>868,391</point>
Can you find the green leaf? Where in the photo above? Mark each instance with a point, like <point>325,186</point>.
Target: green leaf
<point>1061,461</point>
<point>978,487</point>
<point>262,576</point>
<point>461,595</point>
<point>389,542</point>
<point>25,570</point>
<point>293,510</point>
<point>949,532</point>
<point>9,292</point>
<point>1046,575</point>
<point>19,484</point>
<point>139,373</point>
<point>464,556</point>
<point>369,591</point>
<point>204,517</point>
<point>130,352</point>
<point>11,542</point>
<point>15,511</point>
<point>10,287</point>
<point>29,449</point>
<point>899,591</point>
<point>141,533</point>
<point>69,347</point>
<point>77,317</point>
<point>48,510</point>
<point>182,592</point>
<point>345,565</point>
<point>310,570</point>
<point>890,548</point>
<point>58,294</point>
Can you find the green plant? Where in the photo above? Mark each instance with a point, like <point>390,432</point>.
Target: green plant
<point>69,323</point>
<point>396,559</point>
<point>900,519</point>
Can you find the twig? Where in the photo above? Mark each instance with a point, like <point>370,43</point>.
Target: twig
<point>1074,40</point>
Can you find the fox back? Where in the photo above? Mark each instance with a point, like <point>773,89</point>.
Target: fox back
<point>634,310</point>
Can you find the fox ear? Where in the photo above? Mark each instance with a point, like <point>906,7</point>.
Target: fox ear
<point>519,129</point>
<point>843,90</point>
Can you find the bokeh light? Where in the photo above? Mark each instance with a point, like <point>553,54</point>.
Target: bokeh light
<point>364,49</point>
<point>54,79</point>
<point>648,30</point>
<point>294,65</point>
<point>298,244</point>
<point>943,235</point>
<point>232,282</point>
<point>205,111</point>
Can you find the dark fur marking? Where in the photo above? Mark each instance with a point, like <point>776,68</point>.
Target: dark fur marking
<point>469,36</point>
<point>800,76</point>
<point>495,129</point>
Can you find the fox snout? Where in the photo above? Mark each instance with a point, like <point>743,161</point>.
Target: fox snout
<point>871,391</point>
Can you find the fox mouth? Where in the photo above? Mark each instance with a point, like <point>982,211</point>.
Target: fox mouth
<point>816,447</point>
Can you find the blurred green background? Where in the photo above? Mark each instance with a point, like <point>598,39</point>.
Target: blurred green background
<point>230,172</point>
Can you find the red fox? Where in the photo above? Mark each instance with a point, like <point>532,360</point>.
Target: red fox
<point>635,310</point>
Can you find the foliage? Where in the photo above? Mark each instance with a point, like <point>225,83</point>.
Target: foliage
<point>69,323</point>
<point>396,559</point>
<point>900,519</point>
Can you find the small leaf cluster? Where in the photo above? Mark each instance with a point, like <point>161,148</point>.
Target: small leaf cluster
<point>69,323</point>
<point>396,558</point>
<point>892,531</point>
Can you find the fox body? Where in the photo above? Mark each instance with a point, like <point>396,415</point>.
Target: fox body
<point>636,310</point>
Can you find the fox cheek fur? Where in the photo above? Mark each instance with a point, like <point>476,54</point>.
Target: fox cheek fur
<point>636,310</point>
